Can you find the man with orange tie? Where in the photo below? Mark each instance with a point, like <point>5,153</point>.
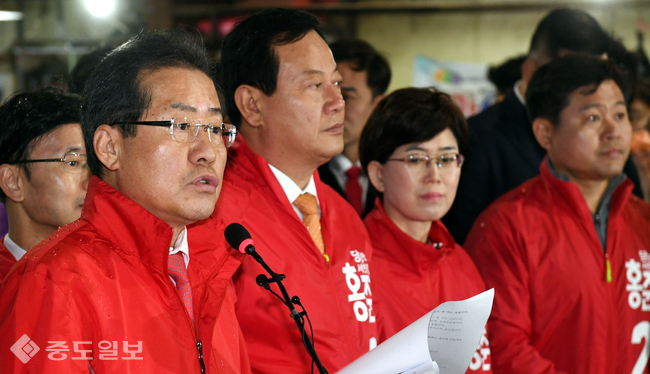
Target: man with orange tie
<point>366,75</point>
<point>283,94</point>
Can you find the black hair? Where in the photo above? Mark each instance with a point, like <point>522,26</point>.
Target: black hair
<point>114,91</point>
<point>363,57</point>
<point>550,88</point>
<point>643,91</point>
<point>567,29</point>
<point>248,55</point>
<point>25,118</point>
<point>505,75</point>
<point>85,65</point>
<point>410,115</point>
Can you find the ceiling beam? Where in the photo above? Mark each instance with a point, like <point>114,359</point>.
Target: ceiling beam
<point>398,6</point>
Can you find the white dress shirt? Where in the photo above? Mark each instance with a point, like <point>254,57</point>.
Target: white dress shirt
<point>522,100</point>
<point>13,248</point>
<point>182,247</point>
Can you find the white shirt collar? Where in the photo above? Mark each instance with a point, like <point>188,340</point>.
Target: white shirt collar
<point>292,190</point>
<point>13,248</point>
<point>181,246</point>
<point>518,93</point>
<point>341,164</point>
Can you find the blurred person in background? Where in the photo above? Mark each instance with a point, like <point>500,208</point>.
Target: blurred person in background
<point>640,118</point>
<point>366,75</point>
<point>505,75</point>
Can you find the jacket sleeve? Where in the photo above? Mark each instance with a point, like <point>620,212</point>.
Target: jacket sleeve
<point>500,256</point>
<point>38,321</point>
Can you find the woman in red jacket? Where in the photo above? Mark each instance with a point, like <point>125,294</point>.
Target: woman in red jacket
<point>411,150</point>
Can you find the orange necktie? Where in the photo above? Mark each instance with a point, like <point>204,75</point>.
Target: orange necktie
<point>308,206</point>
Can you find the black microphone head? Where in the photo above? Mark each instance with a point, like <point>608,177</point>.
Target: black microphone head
<point>235,235</point>
<point>261,280</point>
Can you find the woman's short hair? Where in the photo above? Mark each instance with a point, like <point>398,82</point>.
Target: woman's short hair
<point>410,115</point>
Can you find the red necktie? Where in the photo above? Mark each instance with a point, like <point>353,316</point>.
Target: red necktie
<point>353,188</point>
<point>178,272</point>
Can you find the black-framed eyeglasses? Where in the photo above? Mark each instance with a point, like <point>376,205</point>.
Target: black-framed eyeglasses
<point>446,161</point>
<point>186,130</point>
<point>73,162</point>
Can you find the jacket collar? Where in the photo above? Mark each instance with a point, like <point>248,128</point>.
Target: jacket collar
<point>133,229</point>
<point>254,167</point>
<point>405,250</point>
<point>572,196</point>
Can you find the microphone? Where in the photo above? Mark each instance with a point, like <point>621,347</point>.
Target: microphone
<point>239,238</point>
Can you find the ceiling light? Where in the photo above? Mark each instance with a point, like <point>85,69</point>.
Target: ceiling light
<point>7,15</point>
<point>100,8</point>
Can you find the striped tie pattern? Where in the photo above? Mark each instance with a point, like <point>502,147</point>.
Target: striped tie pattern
<point>308,206</point>
<point>178,272</point>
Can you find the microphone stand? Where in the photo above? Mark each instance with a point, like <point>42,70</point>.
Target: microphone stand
<point>263,281</point>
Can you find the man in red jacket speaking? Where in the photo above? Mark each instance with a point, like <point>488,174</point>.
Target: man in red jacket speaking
<point>283,93</point>
<point>568,251</point>
<point>135,286</point>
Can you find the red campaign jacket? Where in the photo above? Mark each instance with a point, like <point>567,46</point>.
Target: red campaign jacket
<point>554,311</point>
<point>412,278</point>
<point>103,280</point>
<point>7,260</point>
<point>337,295</point>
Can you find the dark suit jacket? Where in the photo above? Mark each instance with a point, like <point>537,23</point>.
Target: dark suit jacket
<point>328,178</point>
<point>502,154</point>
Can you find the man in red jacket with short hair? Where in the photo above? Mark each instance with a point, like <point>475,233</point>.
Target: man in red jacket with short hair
<point>283,92</point>
<point>135,285</point>
<point>567,251</point>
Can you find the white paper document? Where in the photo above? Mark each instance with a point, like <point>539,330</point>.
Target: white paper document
<point>442,341</point>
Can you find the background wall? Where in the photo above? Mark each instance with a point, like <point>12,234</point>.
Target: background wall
<point>488,37</point>
<point>467,36</point>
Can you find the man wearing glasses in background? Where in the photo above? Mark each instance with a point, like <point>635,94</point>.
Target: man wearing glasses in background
<point>43,168</point>
<point>135,285</point>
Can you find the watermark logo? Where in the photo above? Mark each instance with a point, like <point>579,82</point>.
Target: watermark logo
<point>25,348</point>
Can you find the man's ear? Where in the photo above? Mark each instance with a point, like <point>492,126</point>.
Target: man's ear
<point>543,130</point>
<point>11,182</point>
<point>247,99</point>
<point>376,100</point>
<point>108,145</point>
<point>376,175</point>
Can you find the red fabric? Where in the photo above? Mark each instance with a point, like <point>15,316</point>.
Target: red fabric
<point>104,278</point>
<point>554,311</point>
<point>411,278</point>
<point>353,188</point>
<point>7,260</point>
<point>252,196</point>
